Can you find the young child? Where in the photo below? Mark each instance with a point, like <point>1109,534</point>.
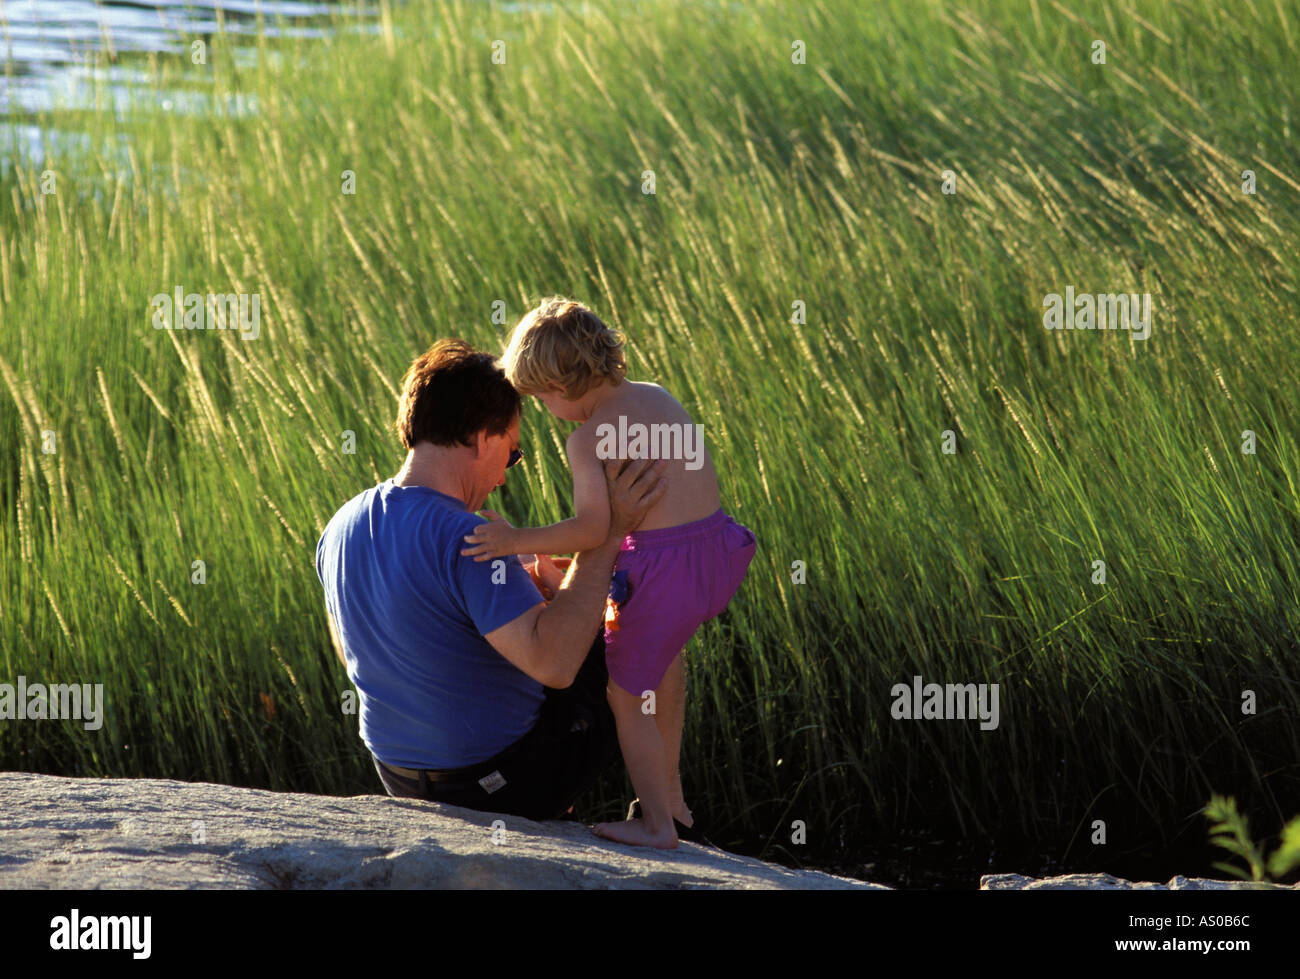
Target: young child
<point>679,569</point>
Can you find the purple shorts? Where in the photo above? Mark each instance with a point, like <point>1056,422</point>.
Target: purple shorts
<point>678,578</point>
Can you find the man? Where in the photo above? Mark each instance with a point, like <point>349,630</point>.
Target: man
<point>452,657</point>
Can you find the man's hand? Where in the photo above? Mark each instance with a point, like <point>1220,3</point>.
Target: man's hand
<point>635,486</point>
<point>490,539</point>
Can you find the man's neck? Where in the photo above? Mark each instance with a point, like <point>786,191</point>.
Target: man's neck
<point>434,467</point>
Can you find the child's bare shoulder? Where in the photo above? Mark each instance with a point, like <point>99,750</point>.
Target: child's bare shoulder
<point>652,401</point>
<point>646,389</point>
<point>582,440</point>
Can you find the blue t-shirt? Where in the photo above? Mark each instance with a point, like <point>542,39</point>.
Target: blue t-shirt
<point>411,615</point>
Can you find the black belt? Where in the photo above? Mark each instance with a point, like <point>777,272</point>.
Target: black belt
<point>486,775</point>
<point>452,777</point>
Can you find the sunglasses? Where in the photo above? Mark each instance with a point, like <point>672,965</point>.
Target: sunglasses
<point>516,457</point>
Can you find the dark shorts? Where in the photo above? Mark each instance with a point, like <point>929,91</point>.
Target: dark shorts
<point>539,776</point>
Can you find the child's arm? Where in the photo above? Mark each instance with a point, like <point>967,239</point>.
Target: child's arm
<point>585,530</point>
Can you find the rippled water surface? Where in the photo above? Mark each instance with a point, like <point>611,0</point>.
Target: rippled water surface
<point>53,50</point>
<point>47,44</point>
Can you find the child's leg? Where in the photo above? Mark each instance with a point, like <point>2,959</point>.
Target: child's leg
<point>670,714</point>
<point>643,753</point>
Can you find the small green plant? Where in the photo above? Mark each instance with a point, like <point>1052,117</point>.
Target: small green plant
<point>1229,831</point>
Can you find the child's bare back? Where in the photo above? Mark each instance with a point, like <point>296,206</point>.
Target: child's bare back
<point>640,420</point>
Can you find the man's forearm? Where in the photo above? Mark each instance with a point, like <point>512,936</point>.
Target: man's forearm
<point>567,626</point>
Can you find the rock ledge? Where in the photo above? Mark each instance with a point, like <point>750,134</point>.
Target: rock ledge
<point>152,833</point>
<point>94,833</point>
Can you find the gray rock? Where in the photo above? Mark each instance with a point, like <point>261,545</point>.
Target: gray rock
<point>1105,882</point>
<point>154,833</point>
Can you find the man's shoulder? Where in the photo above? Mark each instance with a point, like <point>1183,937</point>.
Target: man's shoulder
<point>402,503</point>
<point>345,515</point>
<point>445,525</point>
<point>351,505</point>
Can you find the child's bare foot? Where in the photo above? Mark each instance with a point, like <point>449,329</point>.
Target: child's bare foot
<point>680,813</point>
<point>636,832</point>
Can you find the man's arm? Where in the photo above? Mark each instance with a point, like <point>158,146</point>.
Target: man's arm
<point>550,642</point>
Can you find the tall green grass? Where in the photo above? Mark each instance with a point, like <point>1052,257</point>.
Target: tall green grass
<point>776,182</point>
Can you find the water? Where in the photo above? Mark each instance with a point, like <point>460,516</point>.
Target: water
<point>53,56</point>
<point>48,45</point>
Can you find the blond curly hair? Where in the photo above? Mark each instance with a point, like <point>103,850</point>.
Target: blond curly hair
<point>563,345</point>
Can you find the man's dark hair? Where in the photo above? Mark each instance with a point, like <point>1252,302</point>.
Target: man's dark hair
<point>450,393</point>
